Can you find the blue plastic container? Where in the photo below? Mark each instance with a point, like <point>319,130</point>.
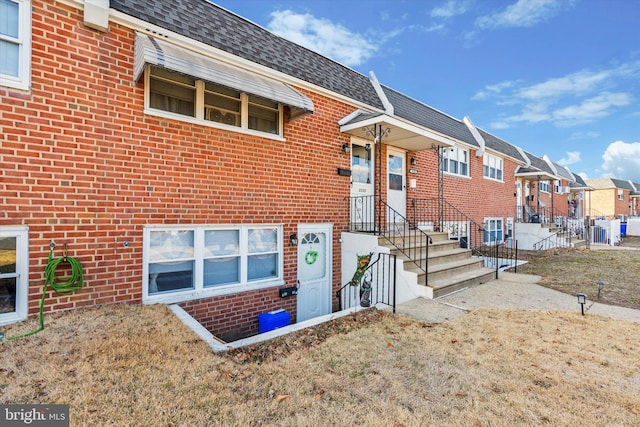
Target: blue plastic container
<point>273,320</point>
<point>623,229</point>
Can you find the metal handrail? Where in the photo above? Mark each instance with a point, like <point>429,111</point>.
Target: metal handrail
<point>372,215</point>
<point>380,282</point>
<point>440,215</point>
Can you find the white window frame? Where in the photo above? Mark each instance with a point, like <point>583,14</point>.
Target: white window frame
<point>493,164</point>
<point>23,79</point>
<point>454,157</point>
<point>557,187</point>
<point>22,274</point>
<point>199,117</point>
<point>491,226</point>
<point>620,194</point>
<point>544,186</point>
<point>199,290</point>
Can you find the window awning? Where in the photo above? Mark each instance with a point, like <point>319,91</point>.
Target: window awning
<point>153,51</point>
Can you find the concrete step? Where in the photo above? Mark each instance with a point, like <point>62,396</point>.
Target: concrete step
<point>463,280</point>
<point>579,244</point>
<point>436,258</point>
<point>445,270</point>
<point>417,247</point>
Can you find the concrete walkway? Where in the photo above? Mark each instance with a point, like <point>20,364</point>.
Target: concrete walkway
<point>510,291</point>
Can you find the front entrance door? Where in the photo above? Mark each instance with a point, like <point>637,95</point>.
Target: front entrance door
<point>314,270</point>
<point>396,188</point>
<point>362,206</point>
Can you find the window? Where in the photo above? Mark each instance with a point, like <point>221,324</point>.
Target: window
<point>492,167</point>
<point>544,186</point>
<point>493,232</point>
<point>361,164</point>
<point>210,103</point>
<point>557,186</point>
<point>184,263</point>
<point>620,194</point>
<point>15,43</point>
<point>455,161</point>
<point>14,272</point>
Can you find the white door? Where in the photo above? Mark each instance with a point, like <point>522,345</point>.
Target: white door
<point>362,170</point>
<point>314,270</point>
<point>396,188</point>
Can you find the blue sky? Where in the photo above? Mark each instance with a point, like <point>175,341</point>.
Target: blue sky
<point>555,77</point>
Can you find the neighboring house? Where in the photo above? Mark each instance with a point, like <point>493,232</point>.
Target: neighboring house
<point>612,198</point>
<point>214,165</point>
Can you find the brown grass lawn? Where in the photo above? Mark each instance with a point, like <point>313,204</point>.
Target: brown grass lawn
<point>574,271</point>
<point>139,366</point>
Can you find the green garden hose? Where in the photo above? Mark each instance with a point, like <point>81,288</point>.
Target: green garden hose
<point>60,285</point>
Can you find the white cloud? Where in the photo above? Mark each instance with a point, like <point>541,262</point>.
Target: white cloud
<point>584,135</point>
<point>573,157</point>
<point>577,98</point>
<point>575,84</point>
<point>621,160</point>
<point>450,9</point>
<point>322,36</point>
<point>523,13</point>
<point>590,109</point>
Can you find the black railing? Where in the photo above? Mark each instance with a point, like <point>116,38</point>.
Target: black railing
<point>382,220</point>
<point>377,285</point>
<point>500,255</point>
<point>541,215</point>
<point>438,214</point>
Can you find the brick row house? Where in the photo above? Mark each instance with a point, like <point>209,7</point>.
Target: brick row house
<point>187,156</point>
<point>613,198</point>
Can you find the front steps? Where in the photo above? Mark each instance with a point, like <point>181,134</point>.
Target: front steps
<point>450,268</point>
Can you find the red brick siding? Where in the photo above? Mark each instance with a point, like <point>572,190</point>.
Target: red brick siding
<point>475,196</point>
<point>83,165</point>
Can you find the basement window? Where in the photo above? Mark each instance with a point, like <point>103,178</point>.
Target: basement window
<point>14,274</point>
<point>184,263</point>
<point>493,231</point>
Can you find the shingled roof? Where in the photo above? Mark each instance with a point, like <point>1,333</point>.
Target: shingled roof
<point>501,146</point>
<point>424,115</point>
<point>208,23</point>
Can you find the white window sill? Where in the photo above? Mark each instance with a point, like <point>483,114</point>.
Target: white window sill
<point>191,294</point>
<point>456,175</point>
<point>208,123</point>
<point>493,179</point>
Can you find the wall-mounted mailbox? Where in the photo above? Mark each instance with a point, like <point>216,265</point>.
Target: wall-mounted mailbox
<point>287,292</point>
<point>344,172</point>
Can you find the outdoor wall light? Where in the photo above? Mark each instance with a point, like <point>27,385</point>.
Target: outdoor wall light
<point>600,284</point>
<point>293,239</point>
<point>346,148</point>
<point>413,161</point>
<point>582,299</point>
<point>367,147</point>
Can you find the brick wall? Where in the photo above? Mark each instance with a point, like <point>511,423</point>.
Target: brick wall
<point>83,165</point>
<point>475,196</point>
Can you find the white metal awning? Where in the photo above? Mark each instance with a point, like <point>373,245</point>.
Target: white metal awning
<point>154,51</point>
